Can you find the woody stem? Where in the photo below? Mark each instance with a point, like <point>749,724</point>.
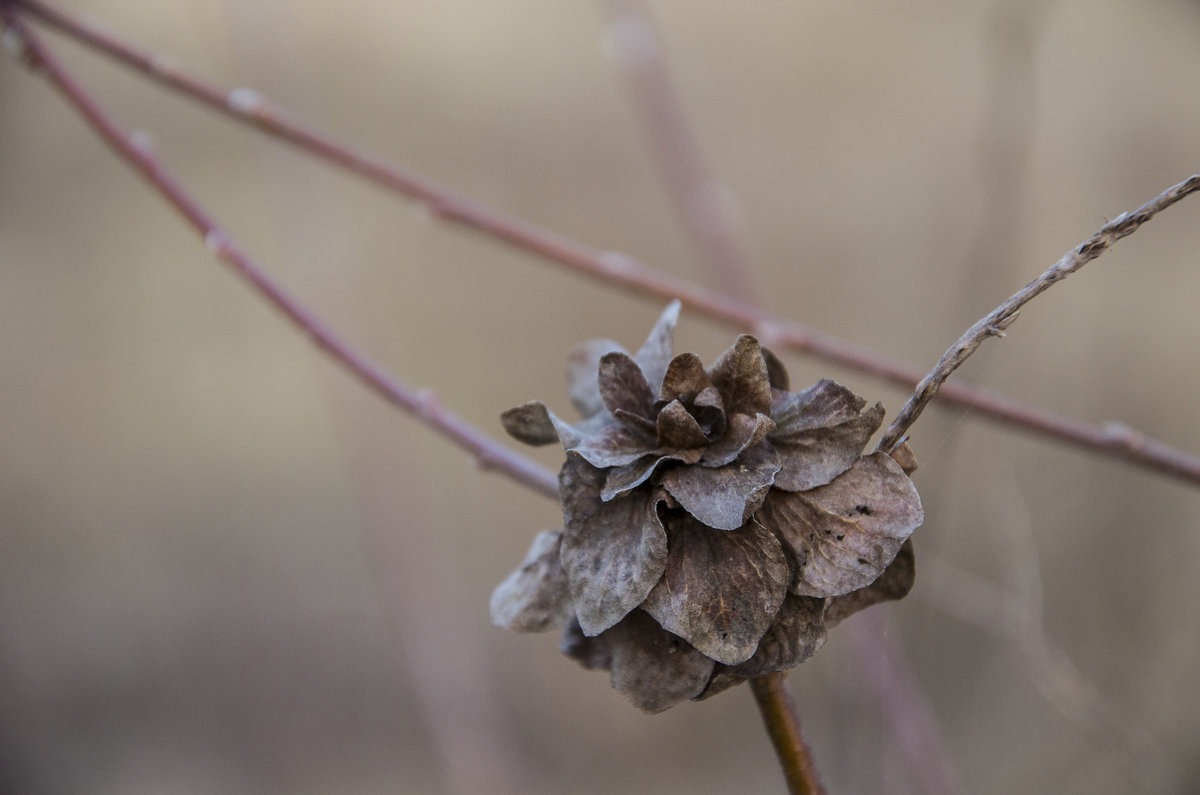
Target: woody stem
<point>783,726</point>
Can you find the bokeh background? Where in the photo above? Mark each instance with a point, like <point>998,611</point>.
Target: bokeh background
<point>225,567</point>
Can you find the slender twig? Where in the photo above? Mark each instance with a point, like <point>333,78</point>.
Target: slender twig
<point>1112,439</point>
<point>705,205</point>
<point>487,453</point>
<point>999,319</point>
<point>779,715</point>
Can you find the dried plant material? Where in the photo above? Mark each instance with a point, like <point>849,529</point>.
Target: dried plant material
<point>843,535</point>
<point>534,598</point>
<point>720,591</point>
<point>895,583</point>
<point>613,553</point>
<point>711,518</point>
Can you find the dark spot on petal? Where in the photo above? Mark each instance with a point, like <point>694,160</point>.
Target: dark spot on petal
<point>864,510</point>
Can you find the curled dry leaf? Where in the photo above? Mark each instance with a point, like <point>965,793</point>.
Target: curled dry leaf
<point>714,523</point>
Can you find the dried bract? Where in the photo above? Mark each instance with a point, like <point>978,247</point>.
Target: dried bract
<point>714,523</point>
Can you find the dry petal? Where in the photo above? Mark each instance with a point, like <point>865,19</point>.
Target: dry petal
<point>624,479</point>
<point>530,423</point>
<point>613,552</point>
<point>685,378</point>
<point>623,387</point>
<point>721,589</point>
<point>613,445</point>
<point>744,431</point>
<point>725,497</point>
<point>798,632</point>
<point>653,668</point>
<point>842,536</point>
<point>534,598</point>
<point>592,653</point>
<point>655,352</point>
<point>740,374</point>
<point>583,367</point>
<point>777,374</point>
<point>678,429</point>
<point>819,433</point>
<point>895,583</point>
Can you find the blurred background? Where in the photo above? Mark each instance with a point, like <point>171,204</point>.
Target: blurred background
<point>225,567</point>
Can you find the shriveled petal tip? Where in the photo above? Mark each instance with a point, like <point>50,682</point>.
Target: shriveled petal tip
<point>583,367</point>
<point>777,374</point>
<point>725,497</point>
<point>842,536</point>
<point>534,598</point>
<point>530,423</point>
<point>685,378</point>
<point>623,387</point>
<point>895,583</point>
<point>740,374</point>
<point>613,552</point>
<point>655,352</point>
<point>678,429</point>
<point>721,590</point>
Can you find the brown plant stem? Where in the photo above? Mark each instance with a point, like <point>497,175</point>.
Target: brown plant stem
<point>487,453</point>
<point>995,323</point>
<point>783,726</point>
<point>1114,440</point>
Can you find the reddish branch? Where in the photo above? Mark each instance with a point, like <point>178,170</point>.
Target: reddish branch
<point>422,404</point>
<point>1112,439</point>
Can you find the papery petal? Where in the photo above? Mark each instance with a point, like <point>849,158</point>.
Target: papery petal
<point>623,387</point>
<point>592,653</point>
<point>709,410</point>
<point>534,598</point>
<point>819,433</point>
<point>685,378</point>
<point>721,589</point>
<point>613,445</point>
<point>740,374</point>
<point>624,479</point>
<point>678,429</point>
<point>655,352</point>
<point>583,366</point>
<point>842,536</point>
<point>653,668</point>
<point>798,632</point>
<point>613,552</point>
<point>895,583</point>
<point>777,374</point>
<point>530,423</point>
<point>744,431</point>
<point>725,497</point>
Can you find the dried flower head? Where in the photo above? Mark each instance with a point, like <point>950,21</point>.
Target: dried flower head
<point>714,523</point>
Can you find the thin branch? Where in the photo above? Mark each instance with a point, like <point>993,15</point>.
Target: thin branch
<point>1000,318</point>
<point>487,453</point>
<point>779,716</point>
<point>610,267</point>
<point>1111,439</point>
<point>705,205</point>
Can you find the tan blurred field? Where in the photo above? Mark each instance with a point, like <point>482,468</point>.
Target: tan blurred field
<point>225,567</point>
